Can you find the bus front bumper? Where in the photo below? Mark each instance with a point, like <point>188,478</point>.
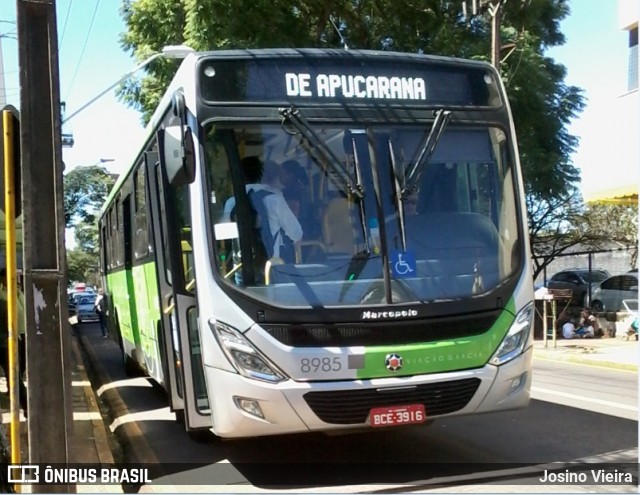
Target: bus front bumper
<point>283,408</point>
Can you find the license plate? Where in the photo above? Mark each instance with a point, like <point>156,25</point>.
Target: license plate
<point>397,415</point>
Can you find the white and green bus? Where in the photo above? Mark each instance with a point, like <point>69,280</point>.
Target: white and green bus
<point>408,297</point>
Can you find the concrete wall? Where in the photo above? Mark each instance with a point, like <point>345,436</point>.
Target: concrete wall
<point>615,263</point>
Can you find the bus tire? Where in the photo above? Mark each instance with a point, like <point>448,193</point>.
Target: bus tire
<point>130,366</point>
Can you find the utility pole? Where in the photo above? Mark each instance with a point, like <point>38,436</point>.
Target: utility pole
<point>48,339</point>
<point>495,11</point>
<point>494,7</point>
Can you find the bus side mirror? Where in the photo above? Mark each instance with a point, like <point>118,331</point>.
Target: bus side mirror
<point>178,147</point>
<point>178,154</point>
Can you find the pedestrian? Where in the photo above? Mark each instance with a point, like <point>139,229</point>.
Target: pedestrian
<point>101,308</point>
<point>633,329</point>
<point>568,330</point>
<point>588,326</point>
<point>4,340</point>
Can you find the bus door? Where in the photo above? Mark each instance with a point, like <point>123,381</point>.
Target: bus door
<point>169,348</point>
<point>178,301</point>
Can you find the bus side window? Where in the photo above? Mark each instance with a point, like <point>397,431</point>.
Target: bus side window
<point>186,240</point>
<point>221,189</point>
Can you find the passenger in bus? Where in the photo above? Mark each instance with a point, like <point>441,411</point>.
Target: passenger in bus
<point>295,182</point>
<point>298,196</point>
<point>411,204</point>
<point>262,183</point>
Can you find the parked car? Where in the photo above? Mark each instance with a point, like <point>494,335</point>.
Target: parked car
<point>85,310</point>
<point>578,281</point>
<point>611,293</point>
<point>74,294</point>
<point>72,301</point>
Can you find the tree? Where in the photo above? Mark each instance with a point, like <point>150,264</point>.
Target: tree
<point>554,228</point>
<point>542,104</point>
<point>86,236</point>
<point>85,191</point>
<point>612,223</point>
<point>81,265</point>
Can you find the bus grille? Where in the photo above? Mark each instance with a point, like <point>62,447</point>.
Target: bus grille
<point>382,333</point>
<point>346,407</point>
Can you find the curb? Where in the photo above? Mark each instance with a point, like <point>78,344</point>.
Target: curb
<point>590,362</point>
<point>128,432</point>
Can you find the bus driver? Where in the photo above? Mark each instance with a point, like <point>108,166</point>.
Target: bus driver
<point>263,183</point>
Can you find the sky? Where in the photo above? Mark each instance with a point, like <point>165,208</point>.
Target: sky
<point>596,57</point>
<point>91,59</point>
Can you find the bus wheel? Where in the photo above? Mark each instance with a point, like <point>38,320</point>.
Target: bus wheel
<point>130,366</point>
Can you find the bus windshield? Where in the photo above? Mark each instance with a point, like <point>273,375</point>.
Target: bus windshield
<point>300,235</point>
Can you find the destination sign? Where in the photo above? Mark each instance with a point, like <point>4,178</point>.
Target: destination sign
<point>358,86</point>
<point>347,80</point>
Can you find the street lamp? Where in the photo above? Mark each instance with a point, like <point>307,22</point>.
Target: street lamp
<point>103,160</point>
<point>169,51</point>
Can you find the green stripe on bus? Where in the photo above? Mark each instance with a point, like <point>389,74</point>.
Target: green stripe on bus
<point>439,356</point>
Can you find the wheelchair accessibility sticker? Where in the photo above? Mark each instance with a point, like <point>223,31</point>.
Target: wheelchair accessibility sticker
<point>403,264</point>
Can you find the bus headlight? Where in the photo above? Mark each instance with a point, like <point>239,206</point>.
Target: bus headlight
<point>517,337</point>
<point>244,357</point>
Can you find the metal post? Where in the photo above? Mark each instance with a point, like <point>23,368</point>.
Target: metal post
<point>554,306</point>
<point>11,283</point>
<point>48,341</point>
<point>588,302</point>
<point>544,320</point>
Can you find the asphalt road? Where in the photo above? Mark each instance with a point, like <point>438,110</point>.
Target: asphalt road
<point>580,414</point>
<point>607,391</point>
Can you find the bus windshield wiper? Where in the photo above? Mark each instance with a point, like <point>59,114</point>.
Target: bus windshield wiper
<point>326,156</point>
<point>399,188</point>
<point>427,147</point>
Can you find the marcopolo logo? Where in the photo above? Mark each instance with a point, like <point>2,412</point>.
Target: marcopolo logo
<point>393,361</point>
<point>389,315</point>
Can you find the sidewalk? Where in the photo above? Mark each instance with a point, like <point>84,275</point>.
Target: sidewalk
<point>612,352</point>
<point>90,442</point>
